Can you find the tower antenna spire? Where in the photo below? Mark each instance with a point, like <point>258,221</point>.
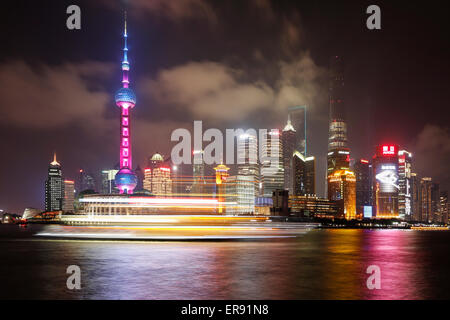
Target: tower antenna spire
<point>125,33</point>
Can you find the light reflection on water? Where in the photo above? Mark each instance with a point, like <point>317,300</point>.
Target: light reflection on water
<point>322,264</point>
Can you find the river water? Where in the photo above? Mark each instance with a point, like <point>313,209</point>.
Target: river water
<point>320,264</point>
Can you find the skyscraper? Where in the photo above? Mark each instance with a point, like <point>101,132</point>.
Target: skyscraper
<point>125,179</point>
<point>404,182</point>
<point>363,176</point>
<point>342,189</point>
<point>416,210</point>
<point>426,208</point>
<point>297,116</point>
<point>338,157</point>
<point>247,159</point>
<point>198,173</point>
<point>54,188</point>
<point>272,169</point>
<point>221,179</point>
<point>247,179</point>
<point>303,175</point>
<point>436,203</point>
<point>385,183</point>
<point>288,146</point>
<point>69,196</point>
<point>444,206</point>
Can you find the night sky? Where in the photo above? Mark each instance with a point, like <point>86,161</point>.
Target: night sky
<point>228,63</point>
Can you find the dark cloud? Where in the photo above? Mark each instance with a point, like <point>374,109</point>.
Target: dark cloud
<point>46,96</point>
<point>431,153</point>
<point>176,11</point>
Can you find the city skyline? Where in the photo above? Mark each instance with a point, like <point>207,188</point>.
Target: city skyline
<point>82,152</point>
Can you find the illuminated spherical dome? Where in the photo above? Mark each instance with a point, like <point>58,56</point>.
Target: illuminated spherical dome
<point>157,157</point>
<point>126,180</point>
<point>125,95</point>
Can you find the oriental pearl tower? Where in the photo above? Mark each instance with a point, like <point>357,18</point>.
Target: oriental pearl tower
<point>125,179</point>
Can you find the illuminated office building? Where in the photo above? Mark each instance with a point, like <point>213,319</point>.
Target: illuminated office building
<point>272,171</point>
<point>54,187</point>
<point>248,169</point>
<point>303,175</point>
<point>198,174</point>
<point>314,207</point>
<point>385,183</point>
<point>157,176</point>
<point>342,189</point>
<point>288,146</point>
<point>444,206</point>
<point>221,180</point>
<point>240,195</point>
<point>435,203</point>
<point>404,182</point>
<point>69,196</point>
<point>416,210</point>
<point>426,186</point>
<point>363,174</point>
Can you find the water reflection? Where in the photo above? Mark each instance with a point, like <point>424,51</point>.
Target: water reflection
<point>322,264</point>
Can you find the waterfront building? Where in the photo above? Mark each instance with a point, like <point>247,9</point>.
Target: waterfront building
<point>404,183</point>
<point>435,203</point>
<point>280,203</point>
<point>416,210</point>
<point>288,146</point>
<point>248,171</point>
<point>126,179</point>
<point>198,174</point>
<point>157,177</point>
<point>54,187</point>
<point>444,206</point>
<point>108,181</point>
<point>426,211</point>
<point>314,207</point>
<point>342,189</point>
<point>363,175</point>
<point>272,169</point>
<point>221,180</point>
<point>385,183</point>
<point>86,181</point>
<point>240,195</point>
<point>140,178</point>
<point>69,196</point>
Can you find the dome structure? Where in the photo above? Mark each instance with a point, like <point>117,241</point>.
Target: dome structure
<point>126,180</point>
<point>125,96</point>
<point>157,157</point>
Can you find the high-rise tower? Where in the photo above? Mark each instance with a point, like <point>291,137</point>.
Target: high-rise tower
<point>54,188</point>
<point>126,179</point>
<point>338,152</point>
<point>288,146</point>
